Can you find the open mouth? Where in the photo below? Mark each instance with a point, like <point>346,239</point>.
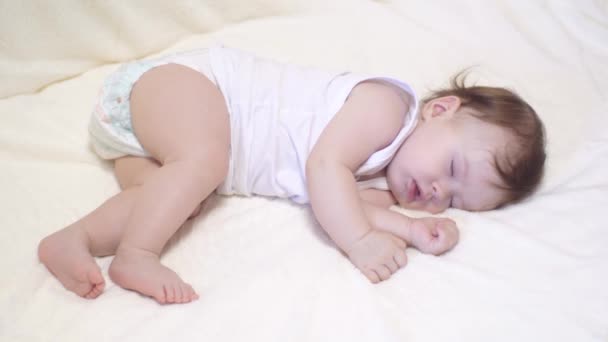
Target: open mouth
<point>413,191</point>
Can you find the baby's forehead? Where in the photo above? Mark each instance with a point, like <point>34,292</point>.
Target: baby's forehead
<point>491,143</point>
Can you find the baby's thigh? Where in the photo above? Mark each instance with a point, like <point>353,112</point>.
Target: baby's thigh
<point>133,171</point>
<point>178,113</point>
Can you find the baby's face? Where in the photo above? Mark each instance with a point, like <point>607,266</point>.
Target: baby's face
<point>448,162</point>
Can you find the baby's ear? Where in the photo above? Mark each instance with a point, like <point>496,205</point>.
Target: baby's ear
<point>441,106</point>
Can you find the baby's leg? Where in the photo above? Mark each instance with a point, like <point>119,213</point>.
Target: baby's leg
<point>180,118</point>
<point>68,253</point>
<point>132,171</point>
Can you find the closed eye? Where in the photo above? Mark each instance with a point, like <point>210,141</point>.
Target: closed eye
<point>452,175</point>
<point>452,168</point>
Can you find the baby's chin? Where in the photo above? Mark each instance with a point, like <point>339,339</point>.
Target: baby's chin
<point>409,205</point>
<point>401,201</point>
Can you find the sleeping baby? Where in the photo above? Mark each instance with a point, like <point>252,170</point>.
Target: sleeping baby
<point>350,145</point>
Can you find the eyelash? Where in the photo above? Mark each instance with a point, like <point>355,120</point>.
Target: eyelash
<point>452,174</point>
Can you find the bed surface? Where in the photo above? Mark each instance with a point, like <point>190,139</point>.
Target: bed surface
<point>535,271</point>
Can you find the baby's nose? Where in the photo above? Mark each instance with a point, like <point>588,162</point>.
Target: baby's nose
<point>441,192</point>
<point>438,192</point>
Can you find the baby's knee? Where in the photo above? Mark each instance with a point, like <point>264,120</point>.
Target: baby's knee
<point>133,171</point>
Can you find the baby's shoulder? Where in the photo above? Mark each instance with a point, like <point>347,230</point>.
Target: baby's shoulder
<point>386,89</point>
<point>383,97</point>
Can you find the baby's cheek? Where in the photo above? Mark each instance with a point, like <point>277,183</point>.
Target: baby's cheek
<point>395,190</point>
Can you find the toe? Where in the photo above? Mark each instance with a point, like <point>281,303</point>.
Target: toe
<point>161,295</point>
<point>94,293</point>
<point>186,290</point>
<point>93,286</point>
<point>179,293</point>
<point>169,294</point>
<point>175,288</point>
<point>97,290</point>
<point>96,279</point>
<point>80,288</point>
<point>191,294</point>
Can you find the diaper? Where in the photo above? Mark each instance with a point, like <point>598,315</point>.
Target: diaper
<point>110,126</point>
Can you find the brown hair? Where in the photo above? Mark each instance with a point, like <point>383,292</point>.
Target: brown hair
<point>520,169</point>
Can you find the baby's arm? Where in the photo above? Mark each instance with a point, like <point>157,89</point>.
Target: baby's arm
<point>369,120</point>
<point>433,235</point>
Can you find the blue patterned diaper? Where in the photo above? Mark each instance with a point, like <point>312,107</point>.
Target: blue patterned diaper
<point>110,125</point>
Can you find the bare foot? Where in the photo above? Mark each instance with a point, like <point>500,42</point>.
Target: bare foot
<point>66,255</point>
<point>141,271</point>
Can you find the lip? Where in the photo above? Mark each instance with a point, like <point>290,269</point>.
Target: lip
<point>412,190</point>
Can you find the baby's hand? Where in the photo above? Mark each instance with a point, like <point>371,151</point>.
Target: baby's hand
<point>433,235</point>
<point>378,255</point>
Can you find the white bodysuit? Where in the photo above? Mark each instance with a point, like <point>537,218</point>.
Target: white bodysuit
<point>277,112</point>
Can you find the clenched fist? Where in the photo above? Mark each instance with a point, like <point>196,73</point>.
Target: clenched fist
<point>433,235</point>
<point>378,255</point>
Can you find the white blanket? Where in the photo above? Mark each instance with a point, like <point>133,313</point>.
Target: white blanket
<point>535,271</point>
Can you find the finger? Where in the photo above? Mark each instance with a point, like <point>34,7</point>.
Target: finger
<point>372,276</point>
<point>383,272</point>
<point>392,265</point>
<point>450,228</point>
<point>444,236</point>
<point>400,242</point>
<point>400,258</point>
<point>436,231</point>
<point>448,221</point>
